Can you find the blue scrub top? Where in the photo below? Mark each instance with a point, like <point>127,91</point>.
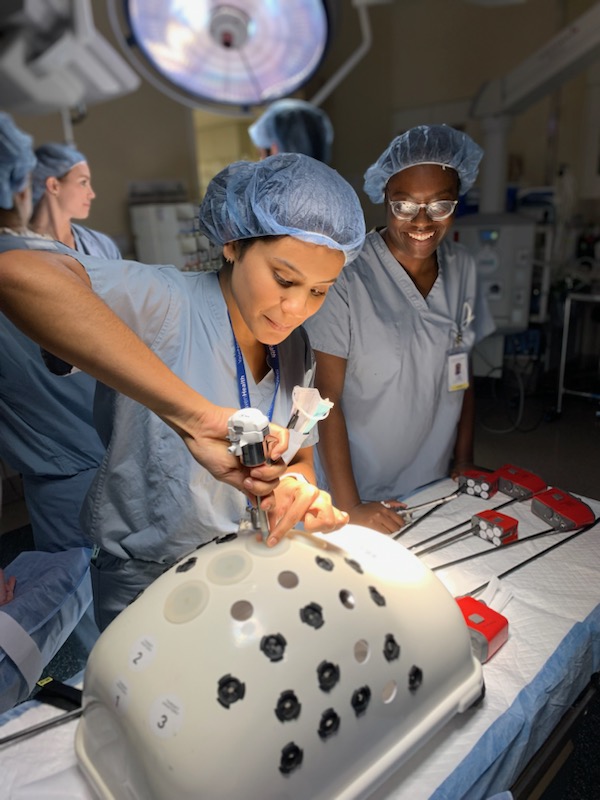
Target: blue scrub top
<point>47,431</point>
<point>94,243</point>
<point>401,418</point>
<point>150,499</point>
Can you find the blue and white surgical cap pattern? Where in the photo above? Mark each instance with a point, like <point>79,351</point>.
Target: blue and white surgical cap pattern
<point>288,194</point>
<point>53,161</point>
<point>16,160</point>
<point>425,144</point>
<point>294,126</point>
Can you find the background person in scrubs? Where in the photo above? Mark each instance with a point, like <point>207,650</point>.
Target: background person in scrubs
<point>47,432</point>
<point>393,338</point>
<point>7,588</point>
<point>62,191</point>
<point>46,428</point>
<point>182,351</point>
<point>293,126</point>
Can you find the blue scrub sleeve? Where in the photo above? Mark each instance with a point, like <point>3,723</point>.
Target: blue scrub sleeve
<point>329,330</point>
<point>139,294</point>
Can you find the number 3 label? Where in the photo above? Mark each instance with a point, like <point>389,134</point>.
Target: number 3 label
<point>166,716</point>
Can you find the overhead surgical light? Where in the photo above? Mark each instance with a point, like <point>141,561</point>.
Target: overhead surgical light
<point>223,56</point>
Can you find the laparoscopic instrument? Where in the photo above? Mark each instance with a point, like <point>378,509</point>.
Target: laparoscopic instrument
<point>247,431</point>
<point>562,510</point>
<point>518,484</point>
<point>473,482</point>
<point>490,525</point>
<point>488,628</point>
<point>54,693</point>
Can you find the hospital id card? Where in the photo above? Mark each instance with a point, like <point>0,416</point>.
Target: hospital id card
<point>458,370</point>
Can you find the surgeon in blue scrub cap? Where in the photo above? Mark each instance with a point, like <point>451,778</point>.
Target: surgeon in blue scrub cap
<point>54,160</point>
<point>16,163</point>
<point>284,196</point>
<point>181,351</point>
<point>439,145</point>
<point>47,432</point>
<point>394,336</point>
<point>46,428</point>
<point>62,191</point>
<point>293,126</point>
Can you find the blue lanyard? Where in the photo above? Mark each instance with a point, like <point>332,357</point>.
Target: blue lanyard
<point>243,391</point>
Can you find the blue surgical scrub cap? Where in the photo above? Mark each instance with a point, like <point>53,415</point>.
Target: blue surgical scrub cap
<point>425,144</point>
<point>53,161</point>
<point>295,126</point>
<point>16,160</point>
<point>288,194</point>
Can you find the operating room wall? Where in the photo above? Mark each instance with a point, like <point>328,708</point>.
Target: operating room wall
<point>424,52</point>
<point>433,52</point>
<point>142,136</point>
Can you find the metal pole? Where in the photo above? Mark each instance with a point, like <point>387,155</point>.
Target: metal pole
<point>563,354</point>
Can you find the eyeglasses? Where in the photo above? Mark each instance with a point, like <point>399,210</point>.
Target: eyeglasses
<point>436,210</point>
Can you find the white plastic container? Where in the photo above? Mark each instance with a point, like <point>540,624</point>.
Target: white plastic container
<point>302,671</point>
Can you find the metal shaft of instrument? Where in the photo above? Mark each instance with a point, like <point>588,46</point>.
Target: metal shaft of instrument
<point>436,504</point>
<point>405,528</point>
<point>263,520</point>
<point>492,549</point>
<point>462,535</point>
<point>405,512</point>
<point>534,557</point>
<point>458,525</point>
<point>41,726</point>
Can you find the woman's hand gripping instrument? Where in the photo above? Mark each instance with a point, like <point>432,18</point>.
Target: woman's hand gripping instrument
<point>248,429</point>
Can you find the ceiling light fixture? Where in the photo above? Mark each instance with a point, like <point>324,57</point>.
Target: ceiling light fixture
<point>223,56</point>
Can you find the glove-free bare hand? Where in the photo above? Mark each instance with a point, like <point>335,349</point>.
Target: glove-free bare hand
<point>296,502</point>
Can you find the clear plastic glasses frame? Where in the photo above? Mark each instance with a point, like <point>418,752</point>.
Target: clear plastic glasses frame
<point>437,210</point>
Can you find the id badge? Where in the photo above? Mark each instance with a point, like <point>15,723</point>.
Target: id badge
<point>458,370</point>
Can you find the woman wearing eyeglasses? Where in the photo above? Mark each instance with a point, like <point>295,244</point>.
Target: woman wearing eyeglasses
<point>393,338</point>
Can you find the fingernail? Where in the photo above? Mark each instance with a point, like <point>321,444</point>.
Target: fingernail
<point>271,541</point>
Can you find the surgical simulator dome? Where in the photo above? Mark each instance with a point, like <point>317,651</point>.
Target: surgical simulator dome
<point>307,670</point>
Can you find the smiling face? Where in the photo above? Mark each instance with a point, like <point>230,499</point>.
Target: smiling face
<point>74,192</point>
<point>414,242</point>
<point>275,284</point>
